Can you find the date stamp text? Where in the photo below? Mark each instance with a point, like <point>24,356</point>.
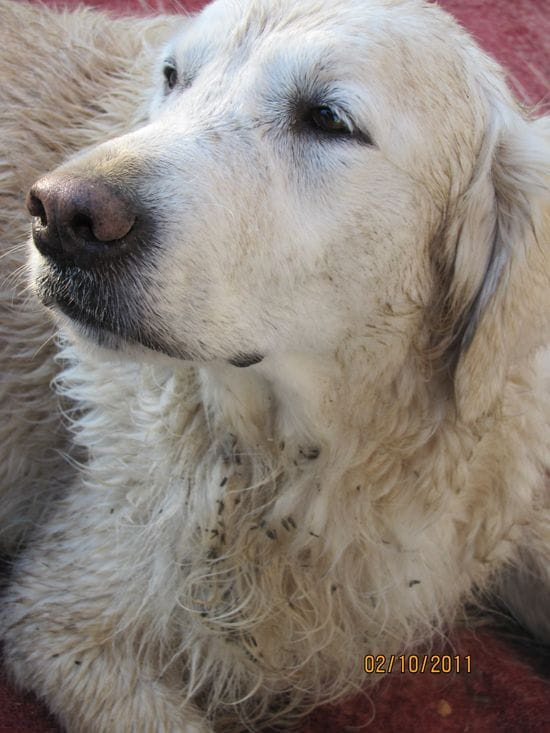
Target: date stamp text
<point>417,663</point>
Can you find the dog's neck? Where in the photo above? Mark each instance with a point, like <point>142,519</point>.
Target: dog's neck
<point>321,407</point>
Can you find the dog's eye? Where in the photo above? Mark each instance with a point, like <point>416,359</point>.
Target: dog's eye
<point>326,119</point>
<point>170,76</point>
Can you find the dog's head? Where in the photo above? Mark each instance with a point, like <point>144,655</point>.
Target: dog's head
<point>312,174</point>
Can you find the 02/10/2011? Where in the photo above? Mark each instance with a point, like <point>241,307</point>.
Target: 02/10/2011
<point>417,663</point>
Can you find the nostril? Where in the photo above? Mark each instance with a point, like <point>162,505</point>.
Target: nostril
<point>36,208</point>
<point>83,226</point>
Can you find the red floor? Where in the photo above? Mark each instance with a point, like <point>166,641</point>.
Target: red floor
<point>516,33</point>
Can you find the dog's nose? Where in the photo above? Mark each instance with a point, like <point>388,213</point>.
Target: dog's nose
<point>80,220</point>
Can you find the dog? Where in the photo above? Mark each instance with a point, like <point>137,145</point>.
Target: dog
<point>300,269</point>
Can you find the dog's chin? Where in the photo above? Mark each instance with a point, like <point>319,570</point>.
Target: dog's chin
<point>109,345</point>
<point>113,345</point>
<point>105,346</point>
<point>104,342</point>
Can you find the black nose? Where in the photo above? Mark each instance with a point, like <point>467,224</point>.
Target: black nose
<point>80,220</point>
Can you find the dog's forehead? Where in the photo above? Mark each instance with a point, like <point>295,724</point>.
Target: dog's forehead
<point>260,16</point>
<point>227,28</point>
<point>391,34</point>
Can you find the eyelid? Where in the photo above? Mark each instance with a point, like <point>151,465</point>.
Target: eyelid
<point>356,132</point>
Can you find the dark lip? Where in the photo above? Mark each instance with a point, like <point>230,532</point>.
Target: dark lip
<point>105,335</point>
<point>246,360</point>
<point>80,315</point>
<point>81,295</point>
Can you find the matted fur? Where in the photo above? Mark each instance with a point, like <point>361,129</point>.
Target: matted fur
<point>237,539</point>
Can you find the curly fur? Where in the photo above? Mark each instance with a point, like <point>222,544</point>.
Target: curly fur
<point>234,540</point>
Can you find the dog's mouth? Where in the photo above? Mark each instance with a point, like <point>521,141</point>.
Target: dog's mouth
<point>92,301</point>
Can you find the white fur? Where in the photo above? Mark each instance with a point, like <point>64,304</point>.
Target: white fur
<point>238,538</point>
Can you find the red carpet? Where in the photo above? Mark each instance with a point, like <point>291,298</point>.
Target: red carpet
<point>516,33</point>
<point>502,693</point>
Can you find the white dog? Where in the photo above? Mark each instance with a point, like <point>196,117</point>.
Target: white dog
<point>306,307</point>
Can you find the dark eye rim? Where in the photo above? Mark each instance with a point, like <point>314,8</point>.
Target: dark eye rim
<point>170,73</point>
<point>317,122</point>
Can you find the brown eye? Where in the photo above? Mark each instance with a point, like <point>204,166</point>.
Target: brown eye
<point>328,120</point>
<point>170,76</point>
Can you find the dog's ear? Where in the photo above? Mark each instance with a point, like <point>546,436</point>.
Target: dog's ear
<point>496,252</point>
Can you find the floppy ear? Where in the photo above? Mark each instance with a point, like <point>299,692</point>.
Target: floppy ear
<point>497,250</point>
